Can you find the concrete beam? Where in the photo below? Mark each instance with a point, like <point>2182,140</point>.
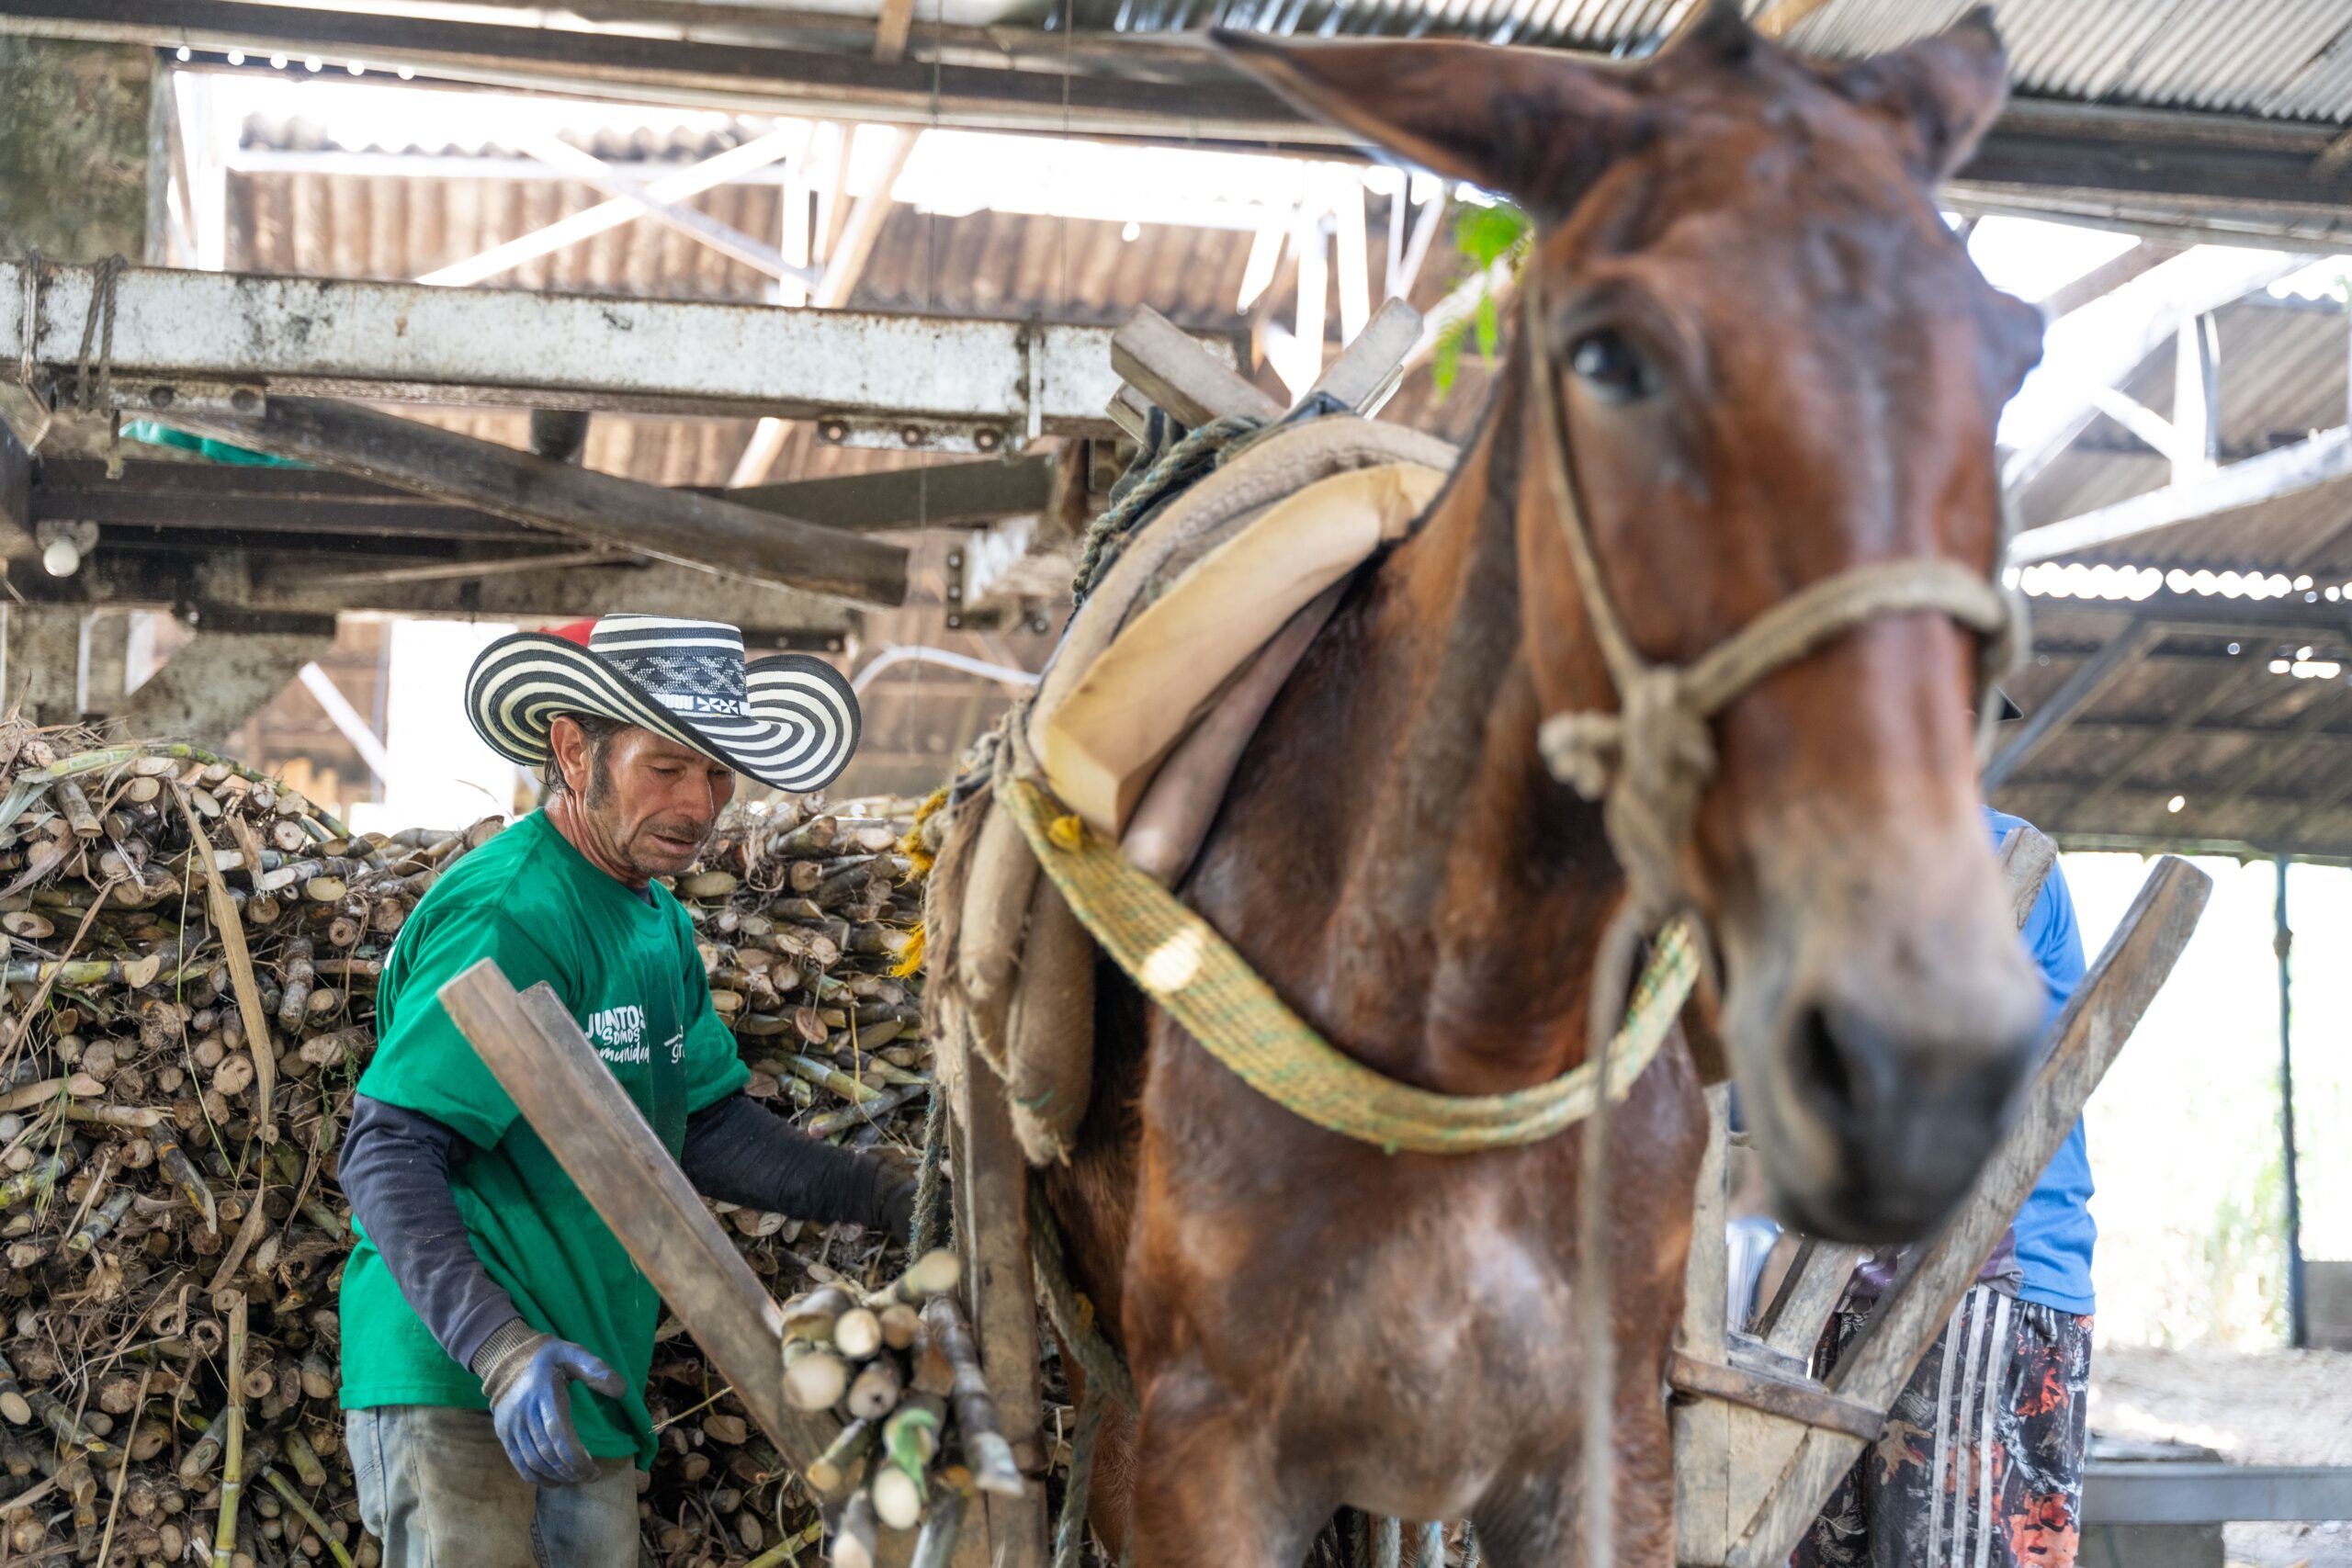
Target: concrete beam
<point>40,675</point>
<point>220,680</point>
<point>74,147</point>
<point>936,383</point>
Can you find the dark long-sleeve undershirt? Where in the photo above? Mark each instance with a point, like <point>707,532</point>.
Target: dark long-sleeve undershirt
<point>395,1171</point>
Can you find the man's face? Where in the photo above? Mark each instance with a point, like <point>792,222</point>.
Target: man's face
<point>645,803</point>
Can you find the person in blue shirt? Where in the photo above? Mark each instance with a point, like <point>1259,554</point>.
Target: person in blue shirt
<point>1981,1464</point>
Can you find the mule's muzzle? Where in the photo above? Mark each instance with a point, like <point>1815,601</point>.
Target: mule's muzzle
<point>1907,1131</point>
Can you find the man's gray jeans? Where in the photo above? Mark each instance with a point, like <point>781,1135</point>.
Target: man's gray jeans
<point>437,1490</point>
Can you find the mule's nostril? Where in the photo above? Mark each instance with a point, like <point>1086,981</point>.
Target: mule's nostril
<point>1822,1062</point>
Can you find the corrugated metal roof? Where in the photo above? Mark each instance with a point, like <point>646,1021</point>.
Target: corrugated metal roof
<point>984,264</point>
<point>2282,368</point>
<point>2282,58</point>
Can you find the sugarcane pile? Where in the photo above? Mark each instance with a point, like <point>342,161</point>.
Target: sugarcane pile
<point>192,955</point>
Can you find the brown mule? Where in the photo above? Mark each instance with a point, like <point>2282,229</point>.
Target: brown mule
<point>1775,362</point>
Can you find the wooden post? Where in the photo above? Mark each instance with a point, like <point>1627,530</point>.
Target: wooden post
<point>534,1049</point>
<point>2106,1008</point>
<point>1701,1427</point>
<point>992,1229</point>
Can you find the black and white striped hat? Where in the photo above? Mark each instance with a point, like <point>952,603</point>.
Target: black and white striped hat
<point>790,721</point>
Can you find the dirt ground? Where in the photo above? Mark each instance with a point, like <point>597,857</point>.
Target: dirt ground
<point>2263,1408</point>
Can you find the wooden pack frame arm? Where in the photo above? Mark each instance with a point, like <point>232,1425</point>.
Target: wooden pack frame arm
<point>1755,1454</point>
<point>1164,365</point>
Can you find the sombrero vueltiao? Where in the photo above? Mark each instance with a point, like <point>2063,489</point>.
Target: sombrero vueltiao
<point>790,721</point>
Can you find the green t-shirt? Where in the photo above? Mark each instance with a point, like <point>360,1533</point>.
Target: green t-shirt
<point>628,971</point>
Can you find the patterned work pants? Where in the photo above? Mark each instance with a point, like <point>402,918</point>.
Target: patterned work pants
<point>1981,1465</point>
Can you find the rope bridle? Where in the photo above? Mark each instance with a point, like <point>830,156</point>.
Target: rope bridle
<point>1647,764</point>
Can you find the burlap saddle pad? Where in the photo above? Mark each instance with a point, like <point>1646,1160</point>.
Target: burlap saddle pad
<point>1156,687</point>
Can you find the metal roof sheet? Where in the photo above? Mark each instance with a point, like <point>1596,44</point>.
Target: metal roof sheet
<point>2275,59</point>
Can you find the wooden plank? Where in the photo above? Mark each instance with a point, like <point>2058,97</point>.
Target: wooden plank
<point>2099,1019</point>
<point>939,495</point>
<point>204,498</point>
<point>1369,368</point>
<point>1163,363</point>
<point>890,28</point>
<point>1131,411</point>
<point>1801,1402</point>
<point>1703,1521</point>
<point>2105,278</point>
<point>534,1049</point>
<point>1793,1322</point>
<point>676,525</point>
<point>2026,858</point>
<point>992,1227</point>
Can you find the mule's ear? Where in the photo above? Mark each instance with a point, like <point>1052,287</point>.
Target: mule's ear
<point>1942,92</point>
<point>1526,122</point>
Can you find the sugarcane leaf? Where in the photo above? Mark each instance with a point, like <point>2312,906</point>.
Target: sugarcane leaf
<point>232,930</point>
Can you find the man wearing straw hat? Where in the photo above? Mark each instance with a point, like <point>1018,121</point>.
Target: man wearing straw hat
<point>483,1286</point>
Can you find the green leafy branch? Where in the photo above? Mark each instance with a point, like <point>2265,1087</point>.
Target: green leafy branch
<point>1484,235</point>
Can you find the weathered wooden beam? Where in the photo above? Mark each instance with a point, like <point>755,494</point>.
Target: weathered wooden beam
<point>1872,1370</point>
<point>1793,1401</point>
<point>1701,1429</point>
<point>676,525</point>
<point>891,25</point>
<point>218,681</point>
<point>2026,858</point>
<point>2080,690</point>
<point>1369,368</point>
<point>1165,363</point>
<point>940,495</point>
<point>1791,1321</point>
<point>210,498</point>
<point>256,582</point>
<point>534,1047</point>
<point>2323,459</point>
<point>2105,278</point>
<point>993,1228</point>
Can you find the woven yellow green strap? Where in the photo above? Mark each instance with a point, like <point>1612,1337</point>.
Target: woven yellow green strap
<point>1181,962</point>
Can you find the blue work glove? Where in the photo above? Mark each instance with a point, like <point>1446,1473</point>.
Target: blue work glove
<point>528,1377</point>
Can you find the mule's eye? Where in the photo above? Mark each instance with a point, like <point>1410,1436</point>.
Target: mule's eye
<point>1612,368</point>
